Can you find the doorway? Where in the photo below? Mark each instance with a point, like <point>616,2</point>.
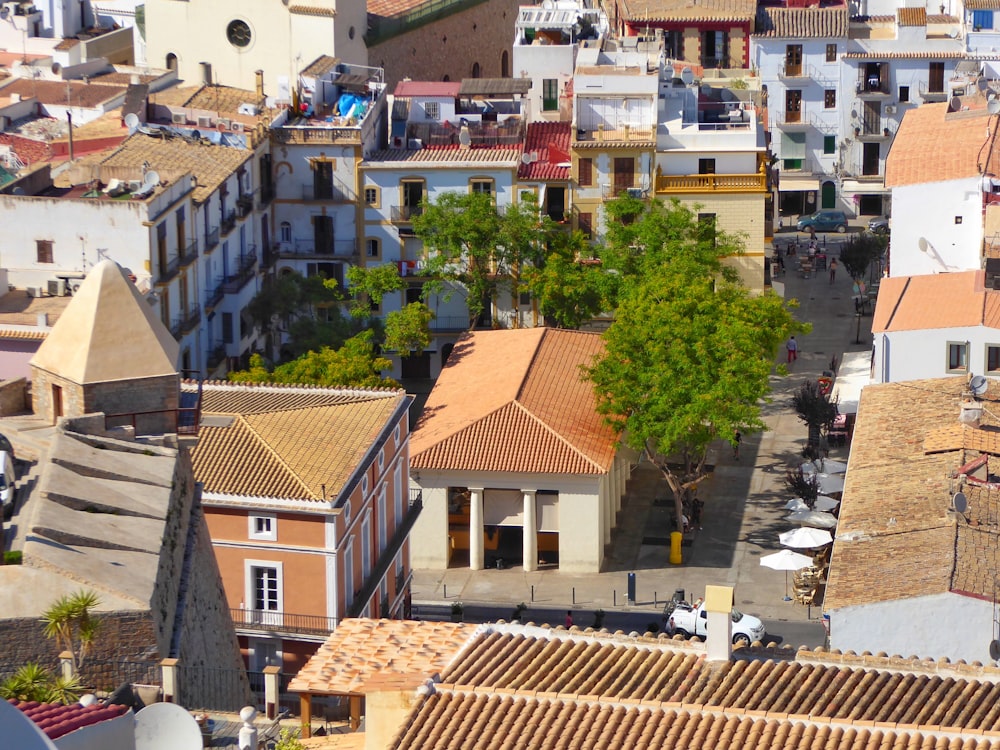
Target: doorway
<point>57,403</point>
<point>828,194</point>
<point>870,159</point>
<point>793,105</point>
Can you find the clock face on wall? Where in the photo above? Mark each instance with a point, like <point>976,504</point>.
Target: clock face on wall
<point>238,33</point>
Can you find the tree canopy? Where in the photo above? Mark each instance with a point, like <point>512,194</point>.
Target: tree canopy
<point>860,251</point>
<point>689,354</point>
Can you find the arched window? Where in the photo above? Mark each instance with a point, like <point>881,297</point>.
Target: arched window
<point>171,61</point>
<point>286,231</point>
<point>475,70</point>
<point>504,64</point>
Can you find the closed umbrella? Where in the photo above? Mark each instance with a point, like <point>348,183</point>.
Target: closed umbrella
<point>829,484</point>
<point>813,518</point>
<point>824,466</point>
<point>825,503</point>
<point>786,560</point>
<point>796,503</point>
<point>805,537</point>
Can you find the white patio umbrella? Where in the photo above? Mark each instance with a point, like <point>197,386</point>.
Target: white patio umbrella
<point>830,483</point>
<point>786,560</point>
<point>813,518</point>
<point>805,537</point>
<point>824,466</point>
<point>796,503</point>
<point>825,503</point>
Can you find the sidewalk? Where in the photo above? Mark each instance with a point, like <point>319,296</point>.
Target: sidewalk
<point>743,501</point>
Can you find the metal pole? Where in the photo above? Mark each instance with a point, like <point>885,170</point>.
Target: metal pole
<point>532,592</point>
<point>446,591</point>
<point>614,598</point>
<point>574,595</point>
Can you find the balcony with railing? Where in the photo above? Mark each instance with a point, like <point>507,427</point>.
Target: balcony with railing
<point>798,71</point>
<point>213,297</point>
<point>215,357</point>
<point>190,321</point>
<point>190,254</point>
<point>308,249</point>
<point>755,182</point>
<point>450,323</point>
<point>937,93</point>
<point>609,191</point>
<point>270,621</point>
<point>245,271</point>
<point>211,238</point>
<point>311,132</point>
<point>790,119</point>
<point>244,205</point>
<point>169,270</point>
<point>873,129</point>
<point>404,214</point>
<point>336,192</point>
<point>265,196</point>
<point>228,222</point>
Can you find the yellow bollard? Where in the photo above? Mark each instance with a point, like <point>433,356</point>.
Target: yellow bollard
<point>675,547</point>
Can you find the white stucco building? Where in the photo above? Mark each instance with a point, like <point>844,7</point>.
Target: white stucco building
<point>227,44</point>
<point>908,574</point>
<point>512,458</point>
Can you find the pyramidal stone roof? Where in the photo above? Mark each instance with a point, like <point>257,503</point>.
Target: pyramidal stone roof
<point>108,332</point>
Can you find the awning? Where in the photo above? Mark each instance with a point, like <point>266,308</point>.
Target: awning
<point>794,182</point>
<point>850,187</point>
<point>853,375</point>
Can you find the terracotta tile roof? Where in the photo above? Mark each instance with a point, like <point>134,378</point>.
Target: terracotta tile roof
<point>912,16</point>
<point>689,10</point>
<point>360,649</point>
<point>308,10</point>
<point>409,89</point>
<point>222,98</point>
<point>905,451</point>
<point>287,442</point>
<point>21,335</point>
<point>914,55</point>
<point>17,308</point>
<point>551,142</point>
<point>916,155</point>
<point>212,165</point>
<point>552,688</point>
<point>802,23</point>
<point>67,44</point>
<point>499,156</point>
<point>982,4</point>
<point>515,401</point>
<point>56,92</point>
<point>120,79</point>
<point>944,300</point>
<point>56,720</point>
<point>386,8</point>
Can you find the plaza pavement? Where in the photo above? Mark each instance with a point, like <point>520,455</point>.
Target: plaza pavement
<point>743,500</point>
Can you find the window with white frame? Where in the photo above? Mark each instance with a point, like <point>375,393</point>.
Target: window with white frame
<point>263,593</point>
<point>381,459</point>
<point>383,522</point>
<point>958,356</point>
<point>349,574</point>
<point>264,527</point>
<point>397,495</point>
<point>993,358</point>
<point>286,231</point>
<point>366,548</point>
<point>395,434</point>
<point>364,485</point>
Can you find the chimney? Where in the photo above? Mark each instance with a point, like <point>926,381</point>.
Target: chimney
<point>719,607</point>
<point>389,699</point>
<point>42,320</point>
<point>206,73</point>
<point>259,76</point>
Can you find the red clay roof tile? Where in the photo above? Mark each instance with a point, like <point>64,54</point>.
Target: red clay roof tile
<point>549,142</point>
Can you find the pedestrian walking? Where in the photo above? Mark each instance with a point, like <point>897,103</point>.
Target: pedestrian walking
<point>833,270</point>
<point>792,347</point>
<point>696,506</point>
<point>737,439</point>
<point>569,619</point>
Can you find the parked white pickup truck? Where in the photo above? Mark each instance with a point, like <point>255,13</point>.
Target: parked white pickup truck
<point>686,619</point>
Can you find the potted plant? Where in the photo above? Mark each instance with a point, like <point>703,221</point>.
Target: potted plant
<point>457,612</point>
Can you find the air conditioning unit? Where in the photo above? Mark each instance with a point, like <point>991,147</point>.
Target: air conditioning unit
<point>56,288</point>
<point>178,118</point>
<point>33,291</point>
<point>222,123</point>
<point>635,192</point>
<point>236,127</point>
<point>74,286</point>
<point>891,109</point>
<point>204,121</point>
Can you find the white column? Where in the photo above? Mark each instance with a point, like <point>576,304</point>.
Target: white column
<point>608,504</point>
<point>530,525</point>
<point>477,552</point>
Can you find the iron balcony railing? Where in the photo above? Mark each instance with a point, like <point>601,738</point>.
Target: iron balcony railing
<point>246,271</point>
<point>190,254</point>
<point>169,271</point>
<point>405,214</point>
<point>228,222</point>
<point>335,192</point>
<point>211,238</point>
<point>265,196</point>
<point>285,622</point>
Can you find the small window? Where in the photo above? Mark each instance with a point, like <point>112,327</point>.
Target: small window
<point>830,98</point>
<point>706,166</point>
<point>286,231</point>
<point>904,93</point>
<point>550,94</point>
<point>264,527</point>
<point>481,186</point>
<point>585,223</point>
<point>992,358</point>
<point>372,197</point>
<point>829,144</point>
<point>381,459</point>
<point>958,356</point>
<point>373,248</point>
<point>364,485</point>
<point>585,172</point>
<point>525,298</point>
<point>44,250</point>
<point>982,20</point>
<point>227,328</point>
<point>831,53</point>
<point>432,110</point>
<point>395,435</point>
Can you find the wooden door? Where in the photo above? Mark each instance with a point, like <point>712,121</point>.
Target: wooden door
<point>793,105</point>
<point>624,174</point>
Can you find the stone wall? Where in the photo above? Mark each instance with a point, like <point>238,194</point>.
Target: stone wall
<point>159,396</point>
<point>451,46</point>
<point>42,382</point>
<point>13,396</point>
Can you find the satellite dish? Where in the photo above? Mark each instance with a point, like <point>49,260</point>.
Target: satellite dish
<point>166,726</point>
<point>18,191</point>
<point>993,106</point>
<point>464,138</point>
<point>959,502</point>
<point>687,76</point>
<point>956,104</point>
<point>923,244</point>
<point>526,158</point>
<point>995,649</point>
<point>152,178</point>
<point>131,122</point>
<point>978,385</point>
<point>21,732</point>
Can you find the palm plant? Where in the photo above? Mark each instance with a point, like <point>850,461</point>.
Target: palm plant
<point>32,682</point>
<point>71,623</point>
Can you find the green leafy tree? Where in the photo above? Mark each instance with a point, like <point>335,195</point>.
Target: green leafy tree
<point>71,622</point>
<point>409,330</point>
<point>567,286</point>
<point>355,364</point>
<point>33,682</point>
<point>406,330</point>
<point>814,408</point>
<point>860,251</point>
<point>690,352</point>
